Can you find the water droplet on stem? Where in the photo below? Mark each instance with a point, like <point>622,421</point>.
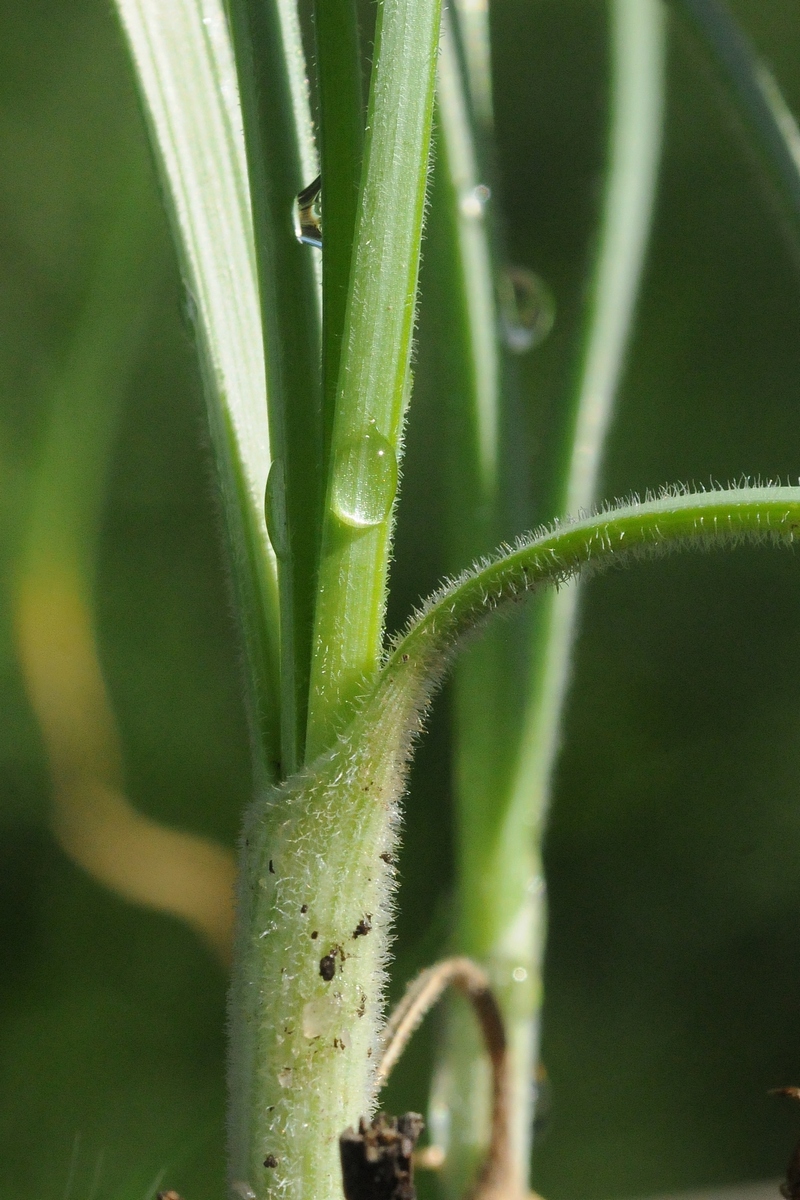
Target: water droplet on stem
<point>308,214</point>
<point>473,202</point>
<point>527,309</point>
<point>275,509</point>
<point>364,480</point>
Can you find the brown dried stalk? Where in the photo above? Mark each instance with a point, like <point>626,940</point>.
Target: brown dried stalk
<point>496,1178</point>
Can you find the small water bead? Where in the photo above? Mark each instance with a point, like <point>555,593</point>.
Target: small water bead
<point>527,309</point>
<point>473,203</point>
<point>308,214</point>
<point>275,509</point>
<point>364,481</point>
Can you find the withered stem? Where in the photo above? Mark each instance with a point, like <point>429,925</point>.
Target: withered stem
<point>496,1178</point>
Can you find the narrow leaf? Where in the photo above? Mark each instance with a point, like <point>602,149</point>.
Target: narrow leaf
<point>185,72</point>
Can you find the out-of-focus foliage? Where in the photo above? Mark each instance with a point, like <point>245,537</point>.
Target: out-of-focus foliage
<point>673,976</point>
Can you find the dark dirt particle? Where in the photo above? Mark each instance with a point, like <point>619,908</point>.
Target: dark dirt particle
<point>304,908</point>
<point>327,967</point>
<point>405,658</point>
<point>270,1161</point>
<point>387,858</point>
<point>364,926</point>
<point>271,868</point>
<point>376,1158</point>
<point>362,1008</point>
<point>314,934</point>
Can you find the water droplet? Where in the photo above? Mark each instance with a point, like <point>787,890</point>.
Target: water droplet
<point>285,1077</point>
<point>364,480</point>
<point>473,202</point>
<point>308,214</point>
<point>275,509</point>
<point>519,974</point>
<point>527,309</point>
<point>189,311</point>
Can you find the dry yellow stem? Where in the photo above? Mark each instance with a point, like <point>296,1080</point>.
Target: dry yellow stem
<point>188,876</point>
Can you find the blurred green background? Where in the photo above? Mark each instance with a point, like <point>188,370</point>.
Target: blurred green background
<point>673,965</point>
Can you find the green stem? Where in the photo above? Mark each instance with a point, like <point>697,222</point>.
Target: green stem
<point>507,744</point>
<point>374,372</point>
<point>318,851</point>
<point>281,161</point>
<point>341,146</point>
<point>482,505</point>
<point>472,21</point>
<point>638,37</point>
<point>475,419</point>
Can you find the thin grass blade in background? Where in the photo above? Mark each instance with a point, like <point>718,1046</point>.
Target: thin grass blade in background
<point>503,788</point>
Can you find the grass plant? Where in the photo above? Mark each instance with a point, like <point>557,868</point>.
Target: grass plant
<point>308,368</point>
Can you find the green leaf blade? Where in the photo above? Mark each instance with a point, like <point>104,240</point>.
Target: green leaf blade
<point>374,372</point>
<point>282,160</point>
<point>187,79</point>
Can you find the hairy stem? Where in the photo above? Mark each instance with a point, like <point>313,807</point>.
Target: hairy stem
<point>317,886</point>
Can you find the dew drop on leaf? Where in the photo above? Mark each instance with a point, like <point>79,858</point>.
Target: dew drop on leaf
<point>275,509</point>
<point>364,480</point>
<point>473,202</point>
<point>308,214</point>
<point>527,309</point>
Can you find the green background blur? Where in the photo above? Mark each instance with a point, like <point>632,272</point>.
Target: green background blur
<point>673,966</point>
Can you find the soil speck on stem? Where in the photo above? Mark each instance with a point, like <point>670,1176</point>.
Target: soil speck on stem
<point>327,967</point>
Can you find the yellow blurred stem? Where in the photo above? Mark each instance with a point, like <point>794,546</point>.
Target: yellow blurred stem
<point>178,873</point>
<point>183,874</point>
